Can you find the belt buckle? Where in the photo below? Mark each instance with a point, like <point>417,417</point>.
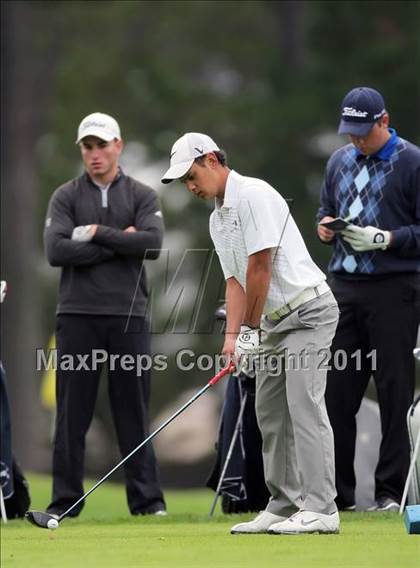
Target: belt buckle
<point>289,309</point>
<point>277,315</point>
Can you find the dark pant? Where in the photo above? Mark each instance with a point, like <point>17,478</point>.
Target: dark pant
<point>129,396</point>
<point>379,315</point>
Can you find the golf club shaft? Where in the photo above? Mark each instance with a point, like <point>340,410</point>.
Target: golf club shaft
<point>2,507</point>
<point>410,473</point>
<point>211,382</point>
<point>416,353</point>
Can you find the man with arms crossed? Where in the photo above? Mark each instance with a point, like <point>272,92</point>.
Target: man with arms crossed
<point>278,302</point>
<point>99,229</point>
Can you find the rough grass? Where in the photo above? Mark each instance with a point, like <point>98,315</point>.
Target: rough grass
<point>106,536</point>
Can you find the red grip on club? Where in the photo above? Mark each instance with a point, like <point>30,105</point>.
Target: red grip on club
<point>226,371</point>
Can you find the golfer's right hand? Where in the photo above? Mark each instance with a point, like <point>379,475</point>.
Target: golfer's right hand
<point>229,348</point>
<point>326,235</point>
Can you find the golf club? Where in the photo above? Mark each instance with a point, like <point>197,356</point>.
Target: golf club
<point>48,521</point>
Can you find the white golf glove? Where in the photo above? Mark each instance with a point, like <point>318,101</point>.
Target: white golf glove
<point>247,345</point>
<point>366,238</point>
<point>248,341</point>
<point>83,233</point>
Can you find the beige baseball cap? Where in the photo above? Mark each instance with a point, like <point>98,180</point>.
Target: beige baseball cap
<point>100,125</point>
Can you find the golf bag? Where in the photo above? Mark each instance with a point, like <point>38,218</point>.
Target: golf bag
<point>238,474</point>
<point>15,489</point>
<point>243,487</point>
<point>413,425</point>
<point>19,502</point>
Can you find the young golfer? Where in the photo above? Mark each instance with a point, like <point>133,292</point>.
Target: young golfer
<point>278,303</point>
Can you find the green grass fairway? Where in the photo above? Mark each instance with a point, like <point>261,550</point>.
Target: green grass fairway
<point>106,536</point>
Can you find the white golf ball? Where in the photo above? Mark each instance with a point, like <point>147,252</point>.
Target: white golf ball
<point>52,524</point>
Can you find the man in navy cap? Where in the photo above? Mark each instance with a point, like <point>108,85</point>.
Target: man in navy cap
<point>370,214</point>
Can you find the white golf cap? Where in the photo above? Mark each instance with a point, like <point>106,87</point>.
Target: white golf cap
<point>185,150</point>
<point>100,125</point>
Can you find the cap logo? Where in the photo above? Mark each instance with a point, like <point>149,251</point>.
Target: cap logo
<point>174,152</point>
<point>350,111</point>
<point>376,116</point>
<point>90,123</point>
<point>199,150</point>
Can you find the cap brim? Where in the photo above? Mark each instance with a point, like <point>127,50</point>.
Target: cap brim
<point>355,128</point>
<point>177,171</point>
<point>97,133</point>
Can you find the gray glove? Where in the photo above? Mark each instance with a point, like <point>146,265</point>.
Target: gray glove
<point>82,233</point>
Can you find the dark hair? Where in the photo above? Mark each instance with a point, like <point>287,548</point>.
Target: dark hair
<point>220,155</point>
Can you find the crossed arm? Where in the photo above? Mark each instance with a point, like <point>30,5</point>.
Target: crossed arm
<point>100,243</point>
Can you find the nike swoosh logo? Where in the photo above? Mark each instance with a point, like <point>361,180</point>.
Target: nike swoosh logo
<point>199,150</point>
<point>172,154</point>
<point>306,523</point>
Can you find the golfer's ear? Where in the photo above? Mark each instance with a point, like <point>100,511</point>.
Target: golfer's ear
<point>120,145</point>
<point>211,159</point>
<point>385,120</point>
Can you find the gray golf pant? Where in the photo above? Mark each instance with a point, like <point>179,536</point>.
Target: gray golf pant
<point>298,446</point>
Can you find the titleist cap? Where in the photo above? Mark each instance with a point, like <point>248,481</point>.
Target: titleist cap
<point>360,109</point>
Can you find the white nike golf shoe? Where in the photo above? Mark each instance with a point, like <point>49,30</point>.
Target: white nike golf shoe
<point>306,522</point>
<point>260,524</point>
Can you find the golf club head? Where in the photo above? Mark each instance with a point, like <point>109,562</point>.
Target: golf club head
<point>42,520</point>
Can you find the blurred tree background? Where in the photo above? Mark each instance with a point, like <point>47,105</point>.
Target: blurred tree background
<point>264,78</point>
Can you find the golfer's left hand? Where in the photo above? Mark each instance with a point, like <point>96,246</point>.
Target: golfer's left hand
<point>362,239</point>
<point>247,347</point>
<point>248,341</point>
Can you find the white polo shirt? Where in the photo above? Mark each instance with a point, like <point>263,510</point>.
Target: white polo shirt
<point>252,217</point>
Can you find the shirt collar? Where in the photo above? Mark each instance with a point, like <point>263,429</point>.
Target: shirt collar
<point>230,198</point>
<point>119,175</point>
<point>386,151</point>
